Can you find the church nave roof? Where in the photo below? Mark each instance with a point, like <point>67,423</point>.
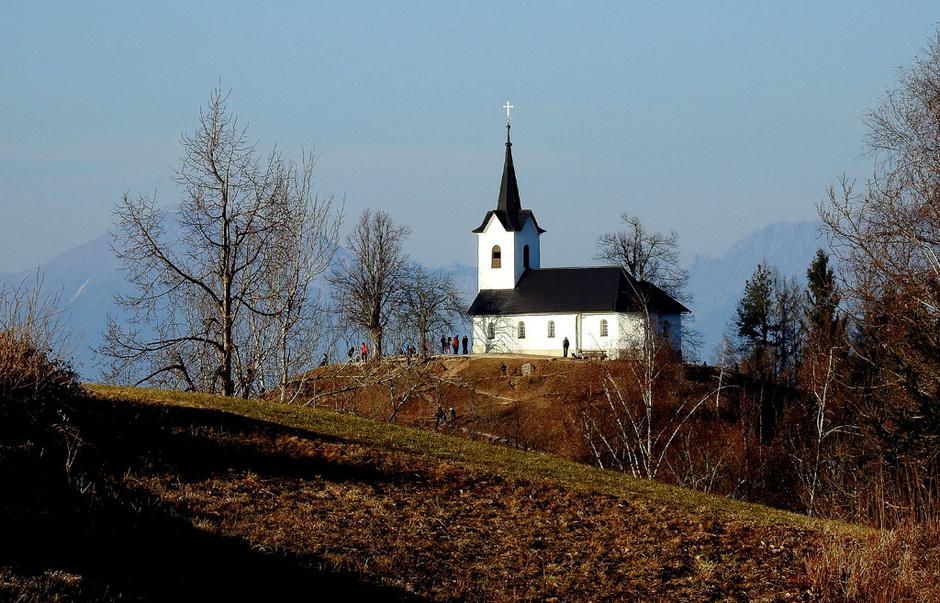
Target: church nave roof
<point>571,290</point>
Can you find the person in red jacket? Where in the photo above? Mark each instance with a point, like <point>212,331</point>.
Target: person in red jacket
<point>455,344</point>
<point>364,351</point>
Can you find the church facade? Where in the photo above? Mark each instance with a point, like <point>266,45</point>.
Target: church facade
<point>522,308</point>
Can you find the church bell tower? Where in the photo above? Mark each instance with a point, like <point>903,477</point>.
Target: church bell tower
<point>508,238</point>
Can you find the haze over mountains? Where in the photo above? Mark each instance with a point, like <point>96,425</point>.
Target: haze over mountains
<point>88,276</point>
<point>716,284</point>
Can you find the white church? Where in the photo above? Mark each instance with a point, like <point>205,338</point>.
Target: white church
<point>522,308</point>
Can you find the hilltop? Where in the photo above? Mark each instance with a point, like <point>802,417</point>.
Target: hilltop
<point>199,496</point>
<point>88,277</point>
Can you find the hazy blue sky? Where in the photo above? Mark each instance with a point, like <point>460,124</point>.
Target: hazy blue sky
<point>712,119</point>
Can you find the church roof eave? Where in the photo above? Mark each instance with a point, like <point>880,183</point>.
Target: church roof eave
<point>528,213</point>
<point>501,216</point>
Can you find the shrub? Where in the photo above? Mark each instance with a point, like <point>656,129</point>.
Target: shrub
<point>35,384</point>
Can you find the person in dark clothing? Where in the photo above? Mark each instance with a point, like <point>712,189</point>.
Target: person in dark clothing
<point>564,347</point>
<point>349,354</point>
<point>324,360</point>
<point>443,345</point>
<point>455,344</point>
<point>464,345</point>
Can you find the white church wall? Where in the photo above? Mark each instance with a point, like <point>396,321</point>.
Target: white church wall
<point>536,341</point>
<point>591,338</point>
<point>631,329</point>
<point>624,330</point>
<point>504,276</point>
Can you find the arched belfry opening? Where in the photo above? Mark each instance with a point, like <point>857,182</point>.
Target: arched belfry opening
<point>497,257</point>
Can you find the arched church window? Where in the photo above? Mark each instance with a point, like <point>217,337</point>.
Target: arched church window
<point>520,328</point>
<point>603,328</point>
<point>491,331</point>
<point>525,256</point>
<point>551,328</point>
<point>497,257</point>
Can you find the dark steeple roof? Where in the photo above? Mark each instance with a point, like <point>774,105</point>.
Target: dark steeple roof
<point>509,189</point>
<point>509,207</point>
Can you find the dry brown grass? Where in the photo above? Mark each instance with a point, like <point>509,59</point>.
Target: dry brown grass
<point>879,567</point>
<point>444,518</point>
<point>493,400</point>
<point>445,532</point>
<point>51,586</point>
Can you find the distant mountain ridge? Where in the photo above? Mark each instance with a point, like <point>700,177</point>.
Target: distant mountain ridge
<point>717,284</point>
<point>88,276</point>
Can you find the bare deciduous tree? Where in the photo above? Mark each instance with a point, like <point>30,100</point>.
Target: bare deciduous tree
<point>430,303</point>
<point>652,257</point>
<point>637,420</point>
<point>290,319</point>
<point>886,236</point>
<point>367,285</point>
<point>203,272</point>
<point>812,450</point>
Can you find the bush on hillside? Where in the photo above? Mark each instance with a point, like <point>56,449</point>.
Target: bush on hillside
<point>35,384</point>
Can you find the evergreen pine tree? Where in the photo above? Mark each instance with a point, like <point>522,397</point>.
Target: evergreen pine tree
<point>789,307</point>
<point>821,318</point>
<point>755,320</point>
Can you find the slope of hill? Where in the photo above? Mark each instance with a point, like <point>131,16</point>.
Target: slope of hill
<point>209,497</point>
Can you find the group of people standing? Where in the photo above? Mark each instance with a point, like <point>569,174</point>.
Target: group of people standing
<point>351,353</point>
<point>449,345</point>
<point>453,345</point>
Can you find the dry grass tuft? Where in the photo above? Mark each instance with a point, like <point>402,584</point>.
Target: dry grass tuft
<point>50,586</point>
<point>891,565</point>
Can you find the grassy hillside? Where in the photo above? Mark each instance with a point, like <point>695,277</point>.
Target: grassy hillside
<point>202,496</point>
<point>543,404</point>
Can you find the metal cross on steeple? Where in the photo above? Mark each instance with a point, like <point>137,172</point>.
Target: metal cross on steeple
<point>508,108</point>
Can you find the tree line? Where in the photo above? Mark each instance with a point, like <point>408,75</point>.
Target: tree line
<point>244,284</point>
<point>826,395</point>
<point>864,358</point>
